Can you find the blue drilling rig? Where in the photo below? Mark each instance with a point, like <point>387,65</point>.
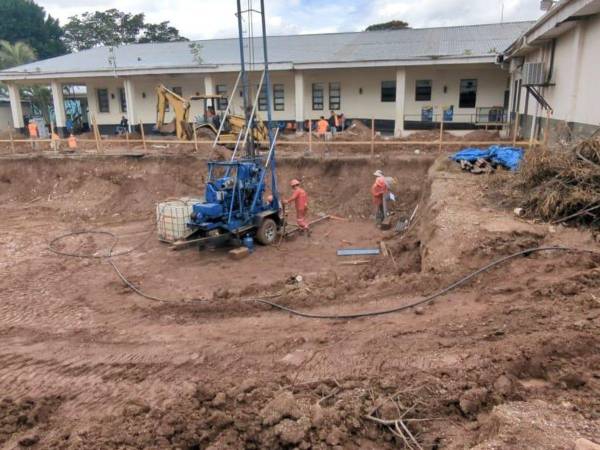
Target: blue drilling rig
<point>241,199</point>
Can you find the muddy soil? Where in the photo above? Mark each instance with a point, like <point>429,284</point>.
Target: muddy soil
<point>509,360</point>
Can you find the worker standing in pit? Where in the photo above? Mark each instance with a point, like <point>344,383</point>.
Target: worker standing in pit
<point>379,190</point>
<point>300,200</point>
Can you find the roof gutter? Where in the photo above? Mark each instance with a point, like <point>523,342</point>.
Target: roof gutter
<point>224,68</point>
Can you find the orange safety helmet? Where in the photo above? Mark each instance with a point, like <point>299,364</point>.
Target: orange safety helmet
<point>294,182</point>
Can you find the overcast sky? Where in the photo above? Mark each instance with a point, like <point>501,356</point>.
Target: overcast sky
<point>202,19</point>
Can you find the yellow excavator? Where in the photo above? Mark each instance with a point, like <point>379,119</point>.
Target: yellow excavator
<point>181,126</point>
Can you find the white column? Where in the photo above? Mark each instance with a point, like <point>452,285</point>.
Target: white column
<point>129,88</point>
<point>209,85</point>
<point>299,96</point>
<point>209,89</point>
<point>400,94</point>
<point>15,106</point>
<point>59,105</point>
<point>92,102</point>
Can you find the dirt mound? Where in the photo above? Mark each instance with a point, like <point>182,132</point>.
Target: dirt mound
<point>19,417</point>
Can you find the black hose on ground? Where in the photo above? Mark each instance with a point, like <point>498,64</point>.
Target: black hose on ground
<point>108,257</point>
<point>264,300</point>
<point>425,300</point>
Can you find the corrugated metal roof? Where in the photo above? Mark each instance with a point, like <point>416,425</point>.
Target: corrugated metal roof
<point>374,46</point>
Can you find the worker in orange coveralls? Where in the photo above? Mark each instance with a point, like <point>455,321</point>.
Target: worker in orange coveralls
<point>300,200</point>
<point>378,191</point>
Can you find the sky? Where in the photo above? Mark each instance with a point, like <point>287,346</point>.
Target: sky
<point>206,19</point>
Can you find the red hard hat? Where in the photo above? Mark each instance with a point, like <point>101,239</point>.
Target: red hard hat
<point>294,182</point>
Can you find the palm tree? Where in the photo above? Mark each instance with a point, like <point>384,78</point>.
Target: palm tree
<point>15,54</point>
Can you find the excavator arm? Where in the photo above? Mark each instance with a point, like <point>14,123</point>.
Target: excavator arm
<point>181,108</point>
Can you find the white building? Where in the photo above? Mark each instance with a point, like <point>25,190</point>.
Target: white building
<point>558,61</point>
<point>395,77</point>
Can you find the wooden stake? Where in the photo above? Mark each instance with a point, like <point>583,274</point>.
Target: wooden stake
<point>96,134</point>
<point>143,135</point>
<point>127,138</point>
<point>309,135</point>
<point>51,136</point>
<point>12,143</point>
<point>195,137</point>
<point>441,132</point>
<point>516,129</point>
<point>372,137</point>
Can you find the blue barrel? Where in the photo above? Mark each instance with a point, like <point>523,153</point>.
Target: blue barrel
<point>248,243</point>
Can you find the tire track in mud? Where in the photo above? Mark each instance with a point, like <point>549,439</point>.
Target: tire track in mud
<point>109,383</point>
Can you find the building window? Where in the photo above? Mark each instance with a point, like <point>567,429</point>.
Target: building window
<point>468,94</point>
<point>335,96</point>
<point>222,102</point>
<point>262,98</point>
<point>423,91</point>
<point>388,91</point>
<point>317,96</point>
<point>103,103</point>
<point>278,97</point>
<point>122,100</point>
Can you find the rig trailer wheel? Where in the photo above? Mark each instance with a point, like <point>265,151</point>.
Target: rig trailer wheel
<point>267,232</point>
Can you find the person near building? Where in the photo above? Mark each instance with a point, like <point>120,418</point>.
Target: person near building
<point>55,141</point>
<point>34,133</point>
<point>378,191</point>
<point>334,123</point>
<point>123,126</point>
<point>300,199</point>
<point>72,142</point>
<point>322,127</point>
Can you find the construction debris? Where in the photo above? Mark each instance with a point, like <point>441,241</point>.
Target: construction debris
<point>477,160</point>
<point>562,184</point>
<point>358,251</point>
<point>239,253</point>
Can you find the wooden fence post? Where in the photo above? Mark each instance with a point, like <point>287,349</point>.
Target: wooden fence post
<point>52,137</point>
<point>12,144</point>
<point>372,137</point>
<point>195,137</point>
<point>441,133</point>
<point>516,129</point>
<point>309,135</point>
<point>96,134</point>
<point>143,135</point>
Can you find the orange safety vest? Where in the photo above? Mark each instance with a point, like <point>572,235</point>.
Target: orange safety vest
<point>322,126</point>
<point>72,142</point>
<point>33,129</point>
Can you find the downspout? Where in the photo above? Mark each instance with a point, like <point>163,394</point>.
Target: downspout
<point>551,68</point>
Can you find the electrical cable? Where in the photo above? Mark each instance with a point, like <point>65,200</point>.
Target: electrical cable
<point>427,299</point>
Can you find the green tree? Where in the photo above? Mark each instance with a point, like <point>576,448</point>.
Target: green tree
<point>23,20</point>
<point>15,54</point>
<point>113,27</point>
<point>391,25</point>
<point>160,32</point>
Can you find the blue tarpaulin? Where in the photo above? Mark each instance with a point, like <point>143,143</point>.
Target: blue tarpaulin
<point>508,157</point>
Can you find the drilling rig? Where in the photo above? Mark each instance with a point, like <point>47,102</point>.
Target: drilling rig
<point>241,199</point>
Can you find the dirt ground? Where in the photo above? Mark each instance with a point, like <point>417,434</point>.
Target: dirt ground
<point>510,360</point>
